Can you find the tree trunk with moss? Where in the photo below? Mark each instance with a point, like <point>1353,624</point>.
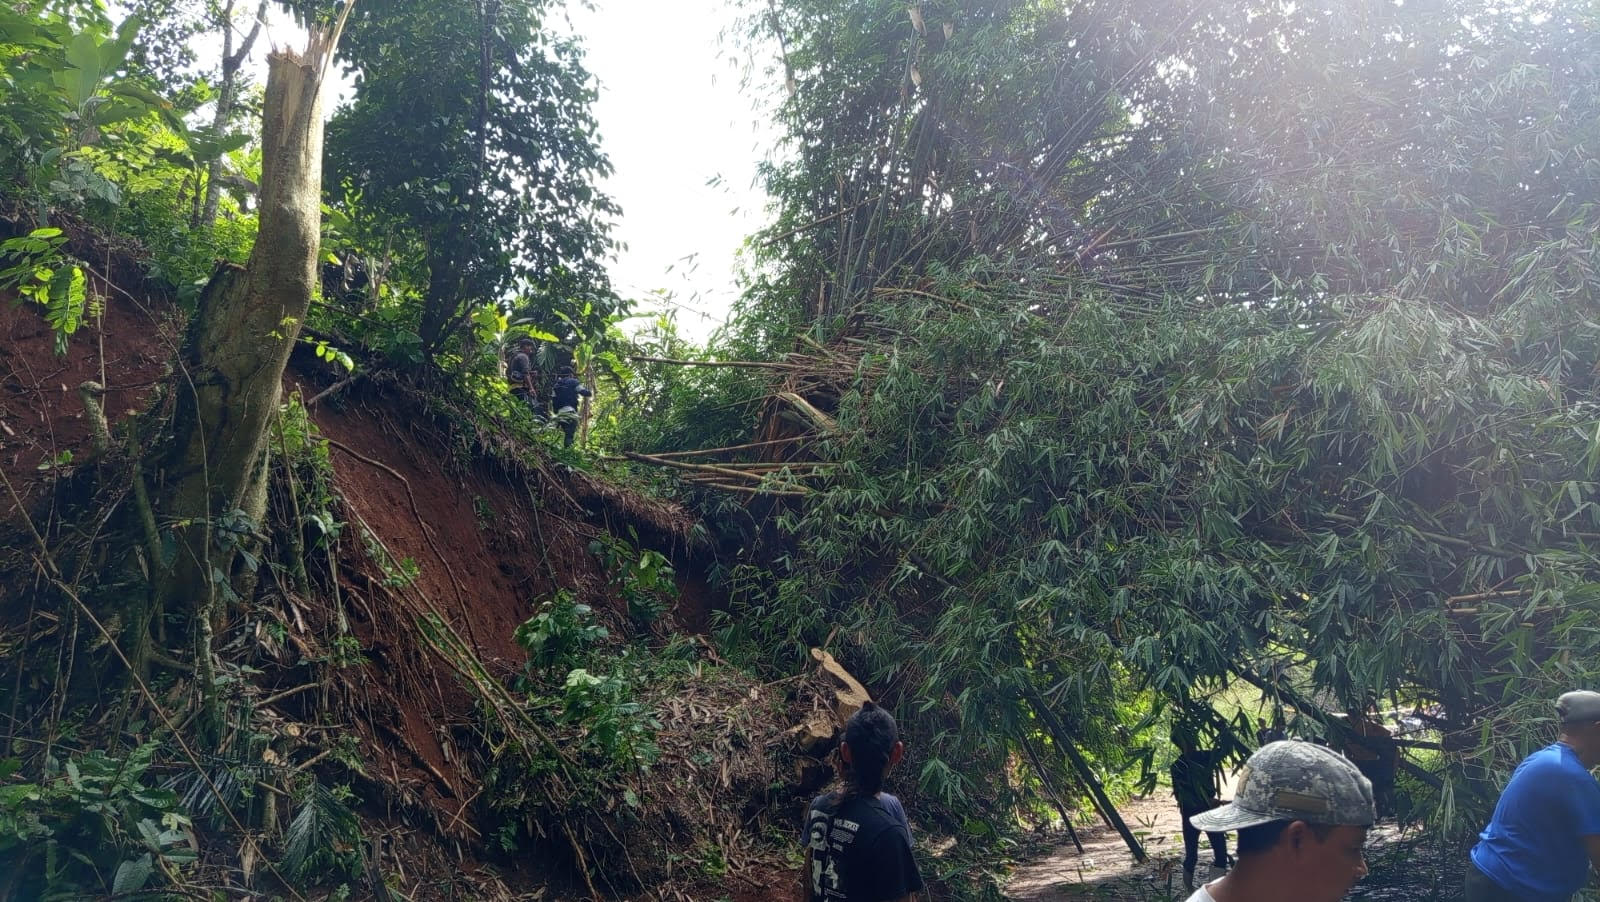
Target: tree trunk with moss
<point>233,358</point>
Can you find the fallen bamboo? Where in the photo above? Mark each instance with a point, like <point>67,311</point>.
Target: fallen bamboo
<point>816,417</point>
<point>730,449</point>
<point>680,465</point>
<point>1044,780</point>
<point>743,364</point>
<point>756,490</point>
<point>1085,773</point>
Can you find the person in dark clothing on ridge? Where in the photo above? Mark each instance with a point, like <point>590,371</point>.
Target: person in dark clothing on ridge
<point>523,377</point>
<point>858,841</point>
<point>565,401</point>
<point>1545,831</point>
<point>1194,785</point>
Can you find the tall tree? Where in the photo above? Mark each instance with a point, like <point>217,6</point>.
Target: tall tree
<point>235,50</point>
<point>471,134</point>
<point>236,350</point>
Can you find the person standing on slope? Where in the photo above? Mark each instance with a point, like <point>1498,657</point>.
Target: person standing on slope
<point>1545,831</point>
<point>523,379</point>
<point>565,400</point>
<point>858,841</point>
<point>1302,812</point>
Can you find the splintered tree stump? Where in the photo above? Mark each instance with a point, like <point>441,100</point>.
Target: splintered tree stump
<point>848,694</point>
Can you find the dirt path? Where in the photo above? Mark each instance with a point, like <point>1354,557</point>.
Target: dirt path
<point>1106,870</point>
<point>1405,867</point>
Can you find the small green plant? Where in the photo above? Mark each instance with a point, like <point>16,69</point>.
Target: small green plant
<point>347,652</point>
<point>38,270</point>
<point>92,824</point>
<point>559,637</point>
<point>324,835</point>
<point>617,728</point>
<point>645,579</point>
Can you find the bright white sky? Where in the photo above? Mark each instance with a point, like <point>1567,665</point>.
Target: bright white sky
<point>673,119</point>
<point>683,139</point>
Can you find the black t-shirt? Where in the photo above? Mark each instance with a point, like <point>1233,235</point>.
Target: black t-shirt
<point>567,391</point>
<point>860,849</point>
<point>517,373</point>
<point>1194,778</point>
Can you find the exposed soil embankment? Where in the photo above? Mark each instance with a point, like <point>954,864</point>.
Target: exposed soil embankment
<point>433,519</point>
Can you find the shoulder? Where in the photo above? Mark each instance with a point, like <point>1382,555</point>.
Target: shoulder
<point>823,803</point>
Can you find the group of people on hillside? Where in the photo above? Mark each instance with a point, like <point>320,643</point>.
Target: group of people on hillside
<point>524,380</point>
<point>1301,813</point>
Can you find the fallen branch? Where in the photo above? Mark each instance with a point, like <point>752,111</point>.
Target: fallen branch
<point>693,468</point>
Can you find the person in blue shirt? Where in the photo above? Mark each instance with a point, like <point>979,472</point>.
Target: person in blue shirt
<point>565,401</point>
<point>858,841</point>
<point>1545,831</point>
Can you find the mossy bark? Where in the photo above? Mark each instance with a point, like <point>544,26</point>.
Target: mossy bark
<point>230,381</point>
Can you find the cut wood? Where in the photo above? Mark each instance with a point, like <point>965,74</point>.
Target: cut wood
<point>848,695</point>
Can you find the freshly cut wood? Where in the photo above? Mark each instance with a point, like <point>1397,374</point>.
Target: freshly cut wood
<point>849,695</point>
<point>806,409</point>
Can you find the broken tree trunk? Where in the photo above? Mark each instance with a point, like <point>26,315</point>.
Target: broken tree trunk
<point>236,349</point>
<point>1079,764</point>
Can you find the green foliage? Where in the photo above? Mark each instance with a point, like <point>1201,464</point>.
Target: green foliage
<point>561,636</point>
<point>1133,407</point>
<point>644,578</point>
<point>616,728</point>
<point>70,99</point>
<point>323,837</point>
<point>92,825</point>
<point>471,149</point>
<point>38,270</point>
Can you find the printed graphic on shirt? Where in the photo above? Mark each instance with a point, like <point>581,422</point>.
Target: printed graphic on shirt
<point>860,850</point>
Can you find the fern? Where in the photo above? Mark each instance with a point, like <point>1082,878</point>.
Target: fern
<point>324,833</point>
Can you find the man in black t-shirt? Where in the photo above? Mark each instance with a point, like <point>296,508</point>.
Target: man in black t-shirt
<point>858,840</point>
<point>523,379</point>
<point>1194,786</point>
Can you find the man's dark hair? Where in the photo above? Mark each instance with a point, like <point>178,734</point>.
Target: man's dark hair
<point>524,342</point>
<point>871,733</point>
<point>1262,837</point>
<point>565,371</point>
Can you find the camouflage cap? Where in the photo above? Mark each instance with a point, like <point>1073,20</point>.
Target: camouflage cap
<point>1294,781</point>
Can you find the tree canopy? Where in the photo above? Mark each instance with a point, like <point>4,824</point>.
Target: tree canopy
<point>1181,345</point>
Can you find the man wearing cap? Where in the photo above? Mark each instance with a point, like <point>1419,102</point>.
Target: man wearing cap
<point>1302,812</point>
<point>1546,827</point>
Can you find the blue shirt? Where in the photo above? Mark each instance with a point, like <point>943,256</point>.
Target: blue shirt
<point>1533,845</point>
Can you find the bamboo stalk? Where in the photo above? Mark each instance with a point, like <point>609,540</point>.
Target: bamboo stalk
<point>746,364</point>
<point>1085,773</point>
<point>754,490</point>
<point>1485,596</point>
<point>729,449</point>
<point>694,468</point>
<point>1044,780</point>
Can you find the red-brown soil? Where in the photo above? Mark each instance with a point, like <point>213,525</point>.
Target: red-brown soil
<point>491,535</point>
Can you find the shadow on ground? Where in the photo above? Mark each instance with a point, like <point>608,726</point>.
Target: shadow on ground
<point>1404,868</point>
